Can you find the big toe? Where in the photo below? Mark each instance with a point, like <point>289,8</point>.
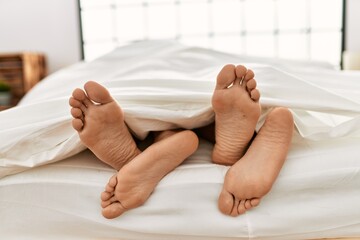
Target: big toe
<point>225,77</point>
<point>97,92</point>
<point>226,202</point>
<point>113,210</point>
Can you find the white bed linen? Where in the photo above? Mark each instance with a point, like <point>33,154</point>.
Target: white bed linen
<point>316,195</point>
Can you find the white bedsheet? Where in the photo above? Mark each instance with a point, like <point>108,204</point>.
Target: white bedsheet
<point>316,195</point>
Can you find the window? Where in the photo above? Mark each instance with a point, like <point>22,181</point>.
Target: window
<point>290,29</point>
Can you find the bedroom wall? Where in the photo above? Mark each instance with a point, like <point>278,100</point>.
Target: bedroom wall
<point>353,26</point>
<point>47,26</point>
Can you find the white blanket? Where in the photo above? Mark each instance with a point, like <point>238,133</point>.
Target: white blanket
<point>163,85</point>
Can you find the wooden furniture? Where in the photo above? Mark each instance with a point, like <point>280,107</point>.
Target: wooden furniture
<point>21,71</point>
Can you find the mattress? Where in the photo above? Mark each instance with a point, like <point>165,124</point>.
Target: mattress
<point>50,185</point>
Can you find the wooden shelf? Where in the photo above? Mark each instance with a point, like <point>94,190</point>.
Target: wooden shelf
<point>21,71</point>
<point>4,107</point>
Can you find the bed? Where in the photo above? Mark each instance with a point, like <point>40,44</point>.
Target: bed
<point>50,184</point>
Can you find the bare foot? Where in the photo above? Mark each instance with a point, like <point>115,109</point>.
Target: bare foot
<point>253,175</point>
<point>237,110</point>
<point>134,183</point>
<point>99,121</point>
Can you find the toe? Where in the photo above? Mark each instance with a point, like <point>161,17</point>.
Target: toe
<point>77,124</point>
<point>240,71</point>
<point>241,208</point>
<point>226,202</point>
<point>249,75</point>
<point>74,103</point>
<point>248,204</point>
<point>251,84</point>
<point>110,187</point>
<point>79,95</point>
<point>113,181</point>
<point>108,202</point>
<point>225,77</point>
<point>76,113</point>
<point>255,202</point>
<point>105,204</point>
<point>240,76</point>
<point>255,95</point>
<point>97,93</point>
<point>105,196</point>
<point>113,210</point>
